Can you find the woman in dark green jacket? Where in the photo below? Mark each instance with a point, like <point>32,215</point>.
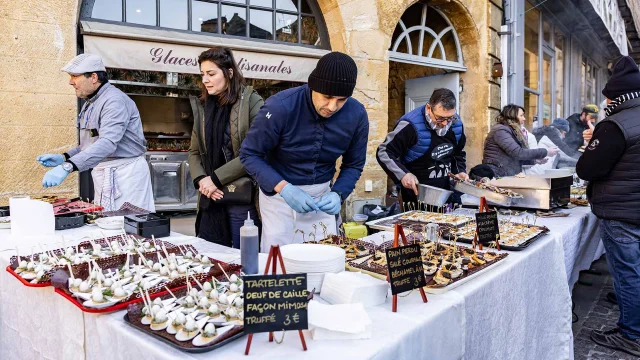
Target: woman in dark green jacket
<point>218,131</point>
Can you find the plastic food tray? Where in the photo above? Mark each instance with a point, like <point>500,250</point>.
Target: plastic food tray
<point>387,223</point>
<point>520,247</point>
<point>133,314</point>
<point>153,292</point>
<point>13,261</point>
<point>335,240</point>
<point>69,221</point>
<point>380,272</point>
<point>25,282</point>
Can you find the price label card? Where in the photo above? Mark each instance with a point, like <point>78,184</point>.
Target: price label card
<point>405,268</point>
<point>487,226</point>
<point>275,303</point>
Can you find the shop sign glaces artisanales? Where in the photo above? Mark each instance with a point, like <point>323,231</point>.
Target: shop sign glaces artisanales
<point>154,56</point>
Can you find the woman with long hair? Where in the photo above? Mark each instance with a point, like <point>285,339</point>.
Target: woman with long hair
<point>506,148</point>
<point>226,191</point>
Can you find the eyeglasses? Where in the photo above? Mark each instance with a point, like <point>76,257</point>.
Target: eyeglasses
<point>440,119</point>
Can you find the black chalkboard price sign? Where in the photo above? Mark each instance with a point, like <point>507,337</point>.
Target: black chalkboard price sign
<point>487,226</point>
<point>275,303</point>
<point>405,268</point>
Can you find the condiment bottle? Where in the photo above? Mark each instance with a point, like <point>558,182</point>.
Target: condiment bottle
<point>249,243</point>
<point>432,232</point>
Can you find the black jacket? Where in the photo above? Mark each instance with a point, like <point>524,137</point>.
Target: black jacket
<point>556,137</point>
<point>574,139</point>
<point>611,164</point>
<point>394,148</point>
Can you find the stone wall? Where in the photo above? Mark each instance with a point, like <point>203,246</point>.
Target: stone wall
<point>398,74</point>
<point>365,31</point>
<point>37,106</point>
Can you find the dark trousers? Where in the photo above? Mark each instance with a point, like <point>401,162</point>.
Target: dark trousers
<point>222,226</point>
<point>237,214</point>
<point>622,243</point>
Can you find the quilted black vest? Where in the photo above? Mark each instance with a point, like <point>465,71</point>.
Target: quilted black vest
<point>617,197</point>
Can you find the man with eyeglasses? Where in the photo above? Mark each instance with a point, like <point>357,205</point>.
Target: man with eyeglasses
<point>425,146</point>
<point>111,140</point>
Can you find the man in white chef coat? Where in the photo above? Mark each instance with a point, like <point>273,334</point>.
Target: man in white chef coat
<point>111,140</point>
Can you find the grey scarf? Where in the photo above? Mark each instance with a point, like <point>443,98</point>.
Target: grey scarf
<point>515,125</point>
<point>441,131</point>
<point>619,100</point>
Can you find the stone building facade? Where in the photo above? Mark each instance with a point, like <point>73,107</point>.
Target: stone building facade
<point>38,107</point>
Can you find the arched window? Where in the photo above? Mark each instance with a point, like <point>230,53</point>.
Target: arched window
<point>425,36</point>
<point>281,21</point>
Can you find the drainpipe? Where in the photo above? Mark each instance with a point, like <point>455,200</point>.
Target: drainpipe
<point>504,57</point>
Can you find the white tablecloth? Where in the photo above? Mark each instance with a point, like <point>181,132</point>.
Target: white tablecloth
<point>36,323</point>
<point>520,309</point>
<point>417,329</point>
<point>579,234</point>
<point>580,240</point>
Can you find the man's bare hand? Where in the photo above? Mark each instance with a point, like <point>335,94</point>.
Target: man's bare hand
<point>410,181</point>
<point>462,176</point>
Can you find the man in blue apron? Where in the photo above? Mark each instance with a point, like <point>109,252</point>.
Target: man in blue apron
<point>111,140</point>
<point>292,148</point>
<point>425,146</point>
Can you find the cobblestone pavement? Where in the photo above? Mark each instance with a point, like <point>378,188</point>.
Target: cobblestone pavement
<point>602,315</point>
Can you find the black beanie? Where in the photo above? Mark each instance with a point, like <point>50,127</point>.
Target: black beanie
<point>334,75</point>
<point>481,171</point>
<point>624,79</point>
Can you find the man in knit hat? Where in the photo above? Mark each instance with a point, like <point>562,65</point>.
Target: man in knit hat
<point>557,132</point>
<point>292,148</point>
<point>611,165</point>
<point>425,146</point>
<point>578,124</point>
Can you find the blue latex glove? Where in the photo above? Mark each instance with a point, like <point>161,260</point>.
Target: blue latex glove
<point>54,177</point>
<point>50,160</point>
<point>298,200</point>
<point>330,203</point>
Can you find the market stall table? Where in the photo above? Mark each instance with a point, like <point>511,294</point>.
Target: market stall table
<point>579,234</point>
<point>521,309</point>
<point>68,333</point>
<point>518,310</point>
<point>36,322</point>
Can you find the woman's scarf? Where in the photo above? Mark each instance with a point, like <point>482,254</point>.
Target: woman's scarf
<point>212,223</point>
<point>515,125</point>
<point>216,120</point>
